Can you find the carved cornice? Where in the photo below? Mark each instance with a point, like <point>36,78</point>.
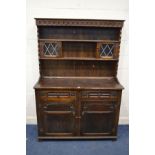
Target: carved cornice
<point>79,22</point>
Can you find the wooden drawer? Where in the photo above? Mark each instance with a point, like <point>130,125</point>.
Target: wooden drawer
<point>59,106</point>
<point>98,106</point>
<point>57,96</point>
<point>99,95</point>
<point>58,100</point>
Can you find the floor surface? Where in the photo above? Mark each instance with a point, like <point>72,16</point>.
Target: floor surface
<point>77,147</point>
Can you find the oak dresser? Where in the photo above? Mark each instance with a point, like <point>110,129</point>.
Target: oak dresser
<point>78,95</point>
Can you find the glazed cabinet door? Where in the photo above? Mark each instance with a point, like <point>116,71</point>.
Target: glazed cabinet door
<point>58,113</point>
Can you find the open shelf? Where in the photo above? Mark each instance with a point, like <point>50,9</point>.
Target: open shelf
<point>76,58</point>
<point>78,33</point>
<point>80,40</point>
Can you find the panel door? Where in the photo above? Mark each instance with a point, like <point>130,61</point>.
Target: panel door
<point>58,110</point>
<point>59,124</point>
<point>98,118</point>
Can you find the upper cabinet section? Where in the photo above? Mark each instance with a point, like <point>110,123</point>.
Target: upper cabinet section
<point>75,39</point>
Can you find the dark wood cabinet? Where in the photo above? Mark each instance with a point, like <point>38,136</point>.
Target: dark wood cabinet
<point>78,94</point>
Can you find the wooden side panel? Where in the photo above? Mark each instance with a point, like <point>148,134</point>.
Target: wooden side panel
<point>39,110</point>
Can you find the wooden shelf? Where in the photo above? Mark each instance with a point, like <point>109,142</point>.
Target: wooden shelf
<point>78,83</point>
<point>80,40</point>
<point>78,58</point>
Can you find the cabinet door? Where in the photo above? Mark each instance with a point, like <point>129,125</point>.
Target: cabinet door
<point>107,50</point>
<point>59,123</point>
<point>50,49</point>
<point>58,110</point>
<point>98,118</point>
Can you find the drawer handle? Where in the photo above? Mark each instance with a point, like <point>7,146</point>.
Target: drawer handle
<point>105,94</point>
<point>71,107</point>
<point>85,108</point>
<point>61,94</point>
<point>58,94</point>
<point>99,94</point>
<point>82,113</point>
<point>45,107</point>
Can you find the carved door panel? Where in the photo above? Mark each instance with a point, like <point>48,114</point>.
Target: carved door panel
<point>58,110</point>
<point>98,118</point>
<point>57,123</point>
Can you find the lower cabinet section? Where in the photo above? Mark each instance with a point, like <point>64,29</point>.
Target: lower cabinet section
<point>69,114</point>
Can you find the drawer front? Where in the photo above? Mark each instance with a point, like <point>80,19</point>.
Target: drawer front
<point>58,100</point>
<point>99,95</point>
<point>59,106</point>
<point>57,94</point>
<point>98,106</point>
